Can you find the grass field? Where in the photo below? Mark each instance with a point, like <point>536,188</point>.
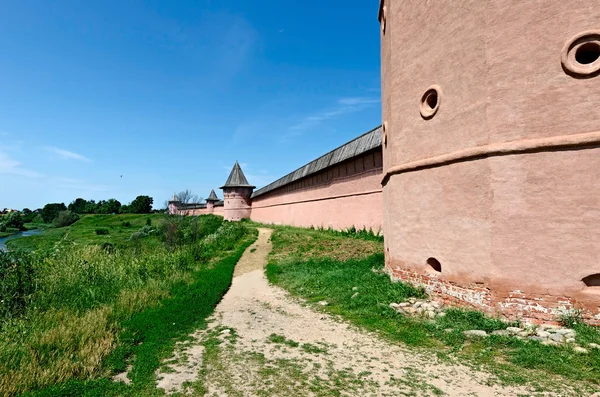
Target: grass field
<point>83,232</point>
<point>74,315</point>
<point>320,265</point>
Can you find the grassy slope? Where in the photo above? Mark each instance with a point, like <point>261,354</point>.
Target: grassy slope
<point>83,232</point>
<point>151,335</point>
<point>93,309</point>
<point>349,265</point>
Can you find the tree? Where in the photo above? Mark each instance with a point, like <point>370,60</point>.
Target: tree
<point>110,206</point>
<point>50,211</point>
<point>187,197</point>
<point>65,218</point>
<point>90,208</point>
<point>14,220</point>
<point>78,206</point>
<point>141,205</point>
<point>28,215</point>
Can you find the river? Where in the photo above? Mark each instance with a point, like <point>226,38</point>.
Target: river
<point>20,234</point>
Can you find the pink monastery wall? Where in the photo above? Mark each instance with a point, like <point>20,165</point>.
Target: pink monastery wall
<point>202,211</point>
<point>495,182</point>
<point>344,195</point>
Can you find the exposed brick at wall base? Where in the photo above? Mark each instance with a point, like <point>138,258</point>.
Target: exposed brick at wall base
<point>512,305</point>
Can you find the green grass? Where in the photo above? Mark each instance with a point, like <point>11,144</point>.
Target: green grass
<point>280,339</point>
<point>313,274</point>
<point>83,232</point>
<point>150,336</point>
<point>90,310</point>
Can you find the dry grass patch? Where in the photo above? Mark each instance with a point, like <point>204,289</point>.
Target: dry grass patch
<point>313,244</point>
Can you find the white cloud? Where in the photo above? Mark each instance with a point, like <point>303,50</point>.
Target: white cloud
<point>67,155</point>
<point>10,166</point>
<point>343,106</point>
<point>357,101</point>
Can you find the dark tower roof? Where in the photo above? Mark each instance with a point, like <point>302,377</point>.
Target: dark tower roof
<point>237,178</point>
<point>212,196</point>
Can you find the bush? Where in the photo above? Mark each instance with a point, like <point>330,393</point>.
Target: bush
<point>177,230</point>
<point>17,273</point>
<point>15,220</point>
<point>37,219</point>
<point>108,247</point>
<point>148,222</point>
<point>126,224</point>
<point>51,211</point>
<point>571,318</point>
<point>137,236</point>
<point>65,218</point>
<point>101,231</point>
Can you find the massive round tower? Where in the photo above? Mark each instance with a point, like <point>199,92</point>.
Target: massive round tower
<point>491,137</point>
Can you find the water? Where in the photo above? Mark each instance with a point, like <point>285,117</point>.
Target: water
<point>20,234</point>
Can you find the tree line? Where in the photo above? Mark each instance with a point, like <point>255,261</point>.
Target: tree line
<point>80,206</point>
<point>61,215</point>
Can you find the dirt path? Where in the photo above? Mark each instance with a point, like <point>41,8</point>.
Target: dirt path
<point>262,342</point>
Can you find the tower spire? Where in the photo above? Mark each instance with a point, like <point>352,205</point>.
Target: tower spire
<point>237,178</point>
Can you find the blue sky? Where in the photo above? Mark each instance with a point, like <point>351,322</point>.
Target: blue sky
<point>112,99</point>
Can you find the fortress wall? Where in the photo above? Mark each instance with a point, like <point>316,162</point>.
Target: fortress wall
<point>498,188</point>
<point>200,211</point>
<point>341,196</point>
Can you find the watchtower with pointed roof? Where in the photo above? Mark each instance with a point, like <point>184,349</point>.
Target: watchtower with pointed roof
<point>174,204</point>
<point>236,195</point>
<point>210,201</point>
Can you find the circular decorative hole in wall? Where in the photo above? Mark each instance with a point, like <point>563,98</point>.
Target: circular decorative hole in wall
<point>580,56</point>
<point>430,102</point>
<point>435,264</point>
<point>592,280</point>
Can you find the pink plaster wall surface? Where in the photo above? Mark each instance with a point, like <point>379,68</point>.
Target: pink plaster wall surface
<point>237,203</point>
<point>348,194</point>
<point>197,211</point>
<point>501,184</point>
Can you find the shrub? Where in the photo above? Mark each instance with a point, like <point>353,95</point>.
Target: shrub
<point>176,230</point>
<point>571,318</point>
<point>101,231</point>
<point>147,230</point>
<point>108,247</point>
<point>65,218</point>
<point>37,219</point>
<point>15,220</point>
<point>126,224</point>
<point>148,222</point>
<point>51,211</point>
<point>137,236</point>
<point>17,273</point>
